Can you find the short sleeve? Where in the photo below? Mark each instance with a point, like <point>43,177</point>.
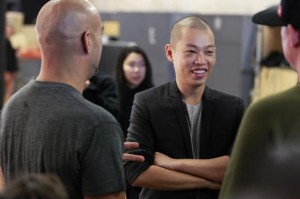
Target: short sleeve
<point>101,164</point>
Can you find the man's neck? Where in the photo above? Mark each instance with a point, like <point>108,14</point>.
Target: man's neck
<point>75,83</point>
<point>192,95</point>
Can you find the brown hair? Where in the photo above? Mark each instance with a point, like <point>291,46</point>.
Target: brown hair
<point>35,186</point>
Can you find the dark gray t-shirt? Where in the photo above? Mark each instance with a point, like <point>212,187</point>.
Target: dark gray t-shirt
<point>50,128</point>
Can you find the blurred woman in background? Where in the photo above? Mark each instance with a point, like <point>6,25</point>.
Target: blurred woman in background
<point>133,74</point>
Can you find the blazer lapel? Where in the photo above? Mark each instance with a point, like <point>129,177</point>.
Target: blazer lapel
<point>206,122</point>
<point>182,116</point>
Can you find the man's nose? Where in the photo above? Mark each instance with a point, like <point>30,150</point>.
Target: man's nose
<point>200,58</point>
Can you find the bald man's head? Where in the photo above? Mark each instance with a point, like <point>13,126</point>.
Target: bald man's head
<point>187,22</point>
<point>59,22</point>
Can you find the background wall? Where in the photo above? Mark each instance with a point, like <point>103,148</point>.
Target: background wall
<point>231,7</point>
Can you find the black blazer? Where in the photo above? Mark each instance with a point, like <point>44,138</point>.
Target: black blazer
<point>159,122</point>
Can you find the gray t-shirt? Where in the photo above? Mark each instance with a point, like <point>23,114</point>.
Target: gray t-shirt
<point>194,112</point>
<point>50,128</point>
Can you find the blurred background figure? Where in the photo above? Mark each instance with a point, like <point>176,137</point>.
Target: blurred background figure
<point>102,90</point>
<point>265,157</point>
<point>35,186</point>
<point>133,74</point>
<point>11,67</point>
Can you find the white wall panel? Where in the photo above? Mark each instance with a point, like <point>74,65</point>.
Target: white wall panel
<point>230,7</point>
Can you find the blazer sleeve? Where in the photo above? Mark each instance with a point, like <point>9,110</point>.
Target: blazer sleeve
<point>240,112</point>
<point>141,131</point>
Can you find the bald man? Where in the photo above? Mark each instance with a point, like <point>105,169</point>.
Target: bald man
<point>185,129</point>
<point>48,127</point>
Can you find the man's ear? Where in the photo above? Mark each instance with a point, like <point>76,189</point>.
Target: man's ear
<point>169,52</point>
<point>295,36</point>
<point>86,42</point>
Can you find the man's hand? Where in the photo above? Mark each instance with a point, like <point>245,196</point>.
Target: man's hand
<point>164,161</point>
<point>172,164</point>
<point>131,157</point>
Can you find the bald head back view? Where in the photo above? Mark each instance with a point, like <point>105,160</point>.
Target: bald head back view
<point>187,22</point>
<point>69,36</point>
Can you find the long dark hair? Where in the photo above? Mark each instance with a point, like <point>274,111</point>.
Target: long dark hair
<point>120,76</point>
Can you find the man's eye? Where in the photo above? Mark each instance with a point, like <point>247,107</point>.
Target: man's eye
<point>191,51</point>
<point>210,52</point>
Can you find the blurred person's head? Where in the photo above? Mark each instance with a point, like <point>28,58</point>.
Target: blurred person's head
<point>35,186</point>
<point>8,30</point>
<point>287,16</point>
<point>134,68</point>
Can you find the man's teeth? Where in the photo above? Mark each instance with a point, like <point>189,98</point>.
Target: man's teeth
<point>199,71</point>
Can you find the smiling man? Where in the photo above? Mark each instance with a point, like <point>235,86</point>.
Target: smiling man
<point>185,129</point>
